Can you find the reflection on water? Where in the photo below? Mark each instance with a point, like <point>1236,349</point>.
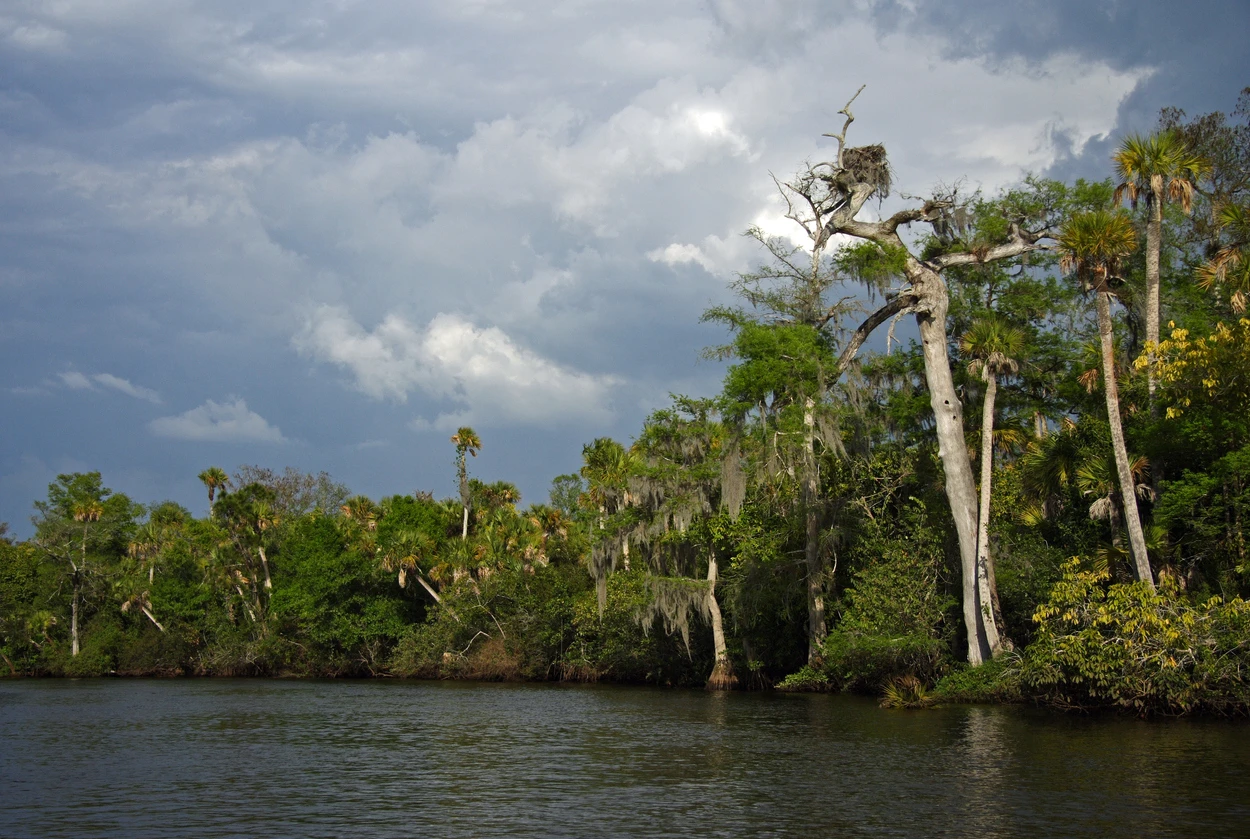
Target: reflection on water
<point>217,758</point>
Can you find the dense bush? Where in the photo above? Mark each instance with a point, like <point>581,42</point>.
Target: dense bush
<point>895,612</point>
<point>1127,647</point>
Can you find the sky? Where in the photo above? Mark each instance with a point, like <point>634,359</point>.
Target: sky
<point>326,234</point>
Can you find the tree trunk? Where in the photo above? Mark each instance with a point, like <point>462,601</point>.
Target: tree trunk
<point>1128,495</point>
<point>722,677</point>
<point>264,563</point>
<point>1154,242</point>
<point>145,611</point>
<point>73,619</point>
<point>986,584</point>
<point>429,588</point>
<point>816,629</point>
<point>957,468</point>
<point>464,530</point>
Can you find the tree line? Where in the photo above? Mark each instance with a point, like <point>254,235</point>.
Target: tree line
<point>1042,496</point>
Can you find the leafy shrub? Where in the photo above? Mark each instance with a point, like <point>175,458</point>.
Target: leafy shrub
<point>894,613</point>
<point>806,680</point>
<point>997,680</point>
<point>1124,646</point>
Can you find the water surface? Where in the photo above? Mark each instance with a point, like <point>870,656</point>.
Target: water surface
<point>243,758</point>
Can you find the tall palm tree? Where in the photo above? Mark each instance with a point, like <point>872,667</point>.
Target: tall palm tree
<point>86,512</point>
<point>1092,246</point>
<point>992,347</point>
<point>467,442</point>
<point>1157,168</point>
<point>214,478</point>
<point>1230,265</point>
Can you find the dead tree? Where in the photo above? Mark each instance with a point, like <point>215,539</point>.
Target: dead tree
<point>825,200</point>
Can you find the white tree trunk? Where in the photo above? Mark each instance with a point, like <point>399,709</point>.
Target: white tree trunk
<point>957,468</point>
<point>73,618</point>
<point>985,561</point>
<point>1128,494</point>
<point>152,618</point>
<point>722,677</point>
<point>264,563</point>
<point>464,530</point>
<point>816,628</point>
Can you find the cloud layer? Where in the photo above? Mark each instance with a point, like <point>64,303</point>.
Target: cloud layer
<point>392,218</point>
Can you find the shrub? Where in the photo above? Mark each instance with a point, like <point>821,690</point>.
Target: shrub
<point>806,680</point>
<point>1127,647</point>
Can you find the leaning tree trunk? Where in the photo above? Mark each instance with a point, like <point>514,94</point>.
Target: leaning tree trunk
<point>816,629</point>
<point>987,588</point>
<point>722,677</point>
<point>1132,521</point>
<point>961,492</point>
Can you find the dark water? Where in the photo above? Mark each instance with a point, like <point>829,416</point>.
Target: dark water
<point>215,758</point>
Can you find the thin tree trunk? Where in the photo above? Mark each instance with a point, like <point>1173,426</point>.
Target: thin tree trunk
<point>429,588</point>
<point>1132,521</point>
<point>264,563</point>
<point>722,677</point>
<point>986,587</point>
<point>1154,243</point>
<point>73,619</point>
<point>816,629</point>
<point>957,468</point>
<point>145,611</point>
<point>464,530</point>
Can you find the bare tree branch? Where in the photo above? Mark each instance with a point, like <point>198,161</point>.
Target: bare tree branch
<point>894,307</point>
<point>841,138</point>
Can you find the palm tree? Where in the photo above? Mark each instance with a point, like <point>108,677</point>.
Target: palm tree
<point>1092,245</point>
<point>1158,168</point>
<point>214,478</point>
<point>467,442</point>
<point>85,512</point>
<point>992,347</point>
<point>404,554</point>
<point>361,511</point>
<point>1097,478</point>
<point>1230,265</point>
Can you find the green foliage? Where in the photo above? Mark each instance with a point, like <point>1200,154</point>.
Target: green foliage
<point>334,607</point>
<point>805,680</point>
<point>894,613</point>
<point>1125,646</point>
<point>997,680</point>
<point>905,691</point>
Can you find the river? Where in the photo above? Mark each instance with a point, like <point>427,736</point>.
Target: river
<point>246,758</point>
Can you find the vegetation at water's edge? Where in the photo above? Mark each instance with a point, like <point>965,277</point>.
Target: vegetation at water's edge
<point>1067,528</point>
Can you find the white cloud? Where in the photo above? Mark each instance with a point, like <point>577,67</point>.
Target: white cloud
<point>491,377</point>
<point>218,422</point>
<point>80,381</point>
<point>122,385</point>
<point>76,381</point>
